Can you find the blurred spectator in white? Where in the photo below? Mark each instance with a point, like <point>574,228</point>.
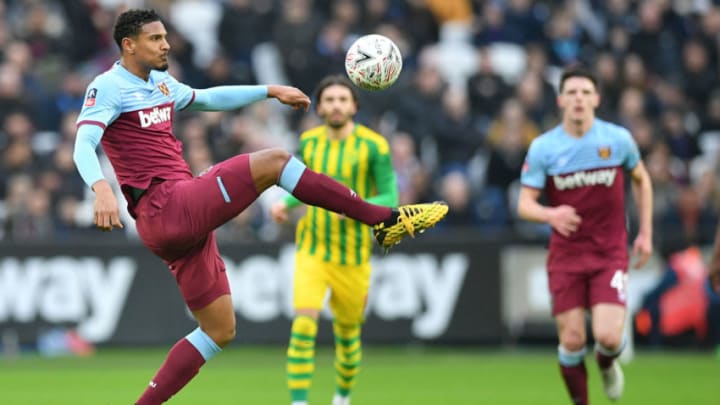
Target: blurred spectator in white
<point>197,20</point>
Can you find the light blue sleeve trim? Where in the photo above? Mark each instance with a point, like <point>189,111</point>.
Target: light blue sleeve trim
<point>223,98</point>
<point>533,171</point>
<point>85,157</point>
<point>223,190</point>
<point>203,343</point>
<point>570,359</point>
<point>291,174</point>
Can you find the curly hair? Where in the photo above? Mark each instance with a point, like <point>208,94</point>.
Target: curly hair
<point>130,23</point>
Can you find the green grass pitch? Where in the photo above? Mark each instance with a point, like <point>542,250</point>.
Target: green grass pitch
<point>390,375</point>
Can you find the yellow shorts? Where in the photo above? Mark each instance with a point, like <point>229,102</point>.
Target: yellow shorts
<point>348,286</point>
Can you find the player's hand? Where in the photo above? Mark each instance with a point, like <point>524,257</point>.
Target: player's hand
<point>107,214</point>
<point>642,249</point>
<point>564,219</point>
<point>279,212</point>
<point>290,95</point>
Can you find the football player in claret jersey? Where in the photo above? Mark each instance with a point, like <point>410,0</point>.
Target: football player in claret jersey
<point>333,252</point>
<point>581,166</point>
<point>129,109</point>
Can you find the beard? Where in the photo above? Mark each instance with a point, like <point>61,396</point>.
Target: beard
<point>337,123</point>
<point>162,67</point>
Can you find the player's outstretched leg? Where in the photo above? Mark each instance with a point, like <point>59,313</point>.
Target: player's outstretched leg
<point>183,362</point>
<point>348,353</point>
<point>574,373</point>
<point>611,372</point>
<point>301,358</point>
<point>390,226</point>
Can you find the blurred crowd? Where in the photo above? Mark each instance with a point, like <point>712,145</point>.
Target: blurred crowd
<point>478,85</point>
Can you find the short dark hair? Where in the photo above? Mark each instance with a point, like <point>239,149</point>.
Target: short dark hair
<point>577,71</point>
<point>333,80</point>
<point>130,23</point>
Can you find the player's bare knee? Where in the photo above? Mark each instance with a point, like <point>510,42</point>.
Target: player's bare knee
<point>275,159</point>
<point>609,341</point>
<point>572,341</point>
<point>222,337</point>
<point>266,166</point>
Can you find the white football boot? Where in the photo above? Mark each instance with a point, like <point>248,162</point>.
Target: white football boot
<point>613,381</point>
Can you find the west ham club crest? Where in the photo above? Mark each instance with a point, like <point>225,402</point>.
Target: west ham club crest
<point>164,89</point>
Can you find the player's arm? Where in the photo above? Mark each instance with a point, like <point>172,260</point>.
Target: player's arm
<point>642,192</point>
<point>223,98</point>
<point>106,211</point>
<point>562,218</point>
<point>101,107</point>
<point>383,173</point>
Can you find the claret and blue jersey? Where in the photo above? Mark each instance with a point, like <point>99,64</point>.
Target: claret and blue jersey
<point>587,173</point>
<point>136,117</point>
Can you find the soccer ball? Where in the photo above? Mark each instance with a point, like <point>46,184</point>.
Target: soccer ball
<point>373,62</point>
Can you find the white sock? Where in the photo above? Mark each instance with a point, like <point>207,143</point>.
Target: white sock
<point>340,400</point>
<point>299,403</point>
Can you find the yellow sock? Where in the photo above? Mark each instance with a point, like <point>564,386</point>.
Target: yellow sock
<point>301,357</point>
<point>348,353</point>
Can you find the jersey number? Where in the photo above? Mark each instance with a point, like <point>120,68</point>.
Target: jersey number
<point>619,282</point>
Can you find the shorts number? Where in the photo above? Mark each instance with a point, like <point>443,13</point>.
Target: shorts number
<point>619,282</point>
